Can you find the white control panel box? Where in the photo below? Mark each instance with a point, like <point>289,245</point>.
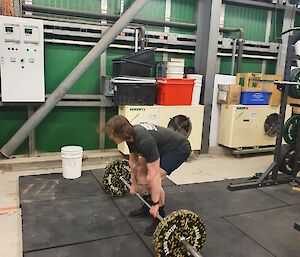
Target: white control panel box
<point>22,60</point>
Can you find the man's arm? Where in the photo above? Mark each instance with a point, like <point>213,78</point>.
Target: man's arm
<point>154,178</point>
<point>133,164</point>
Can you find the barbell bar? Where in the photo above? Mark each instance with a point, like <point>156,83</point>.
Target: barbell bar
<point>188,247</point>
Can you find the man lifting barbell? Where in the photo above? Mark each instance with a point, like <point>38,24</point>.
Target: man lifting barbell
<point>154,153</point>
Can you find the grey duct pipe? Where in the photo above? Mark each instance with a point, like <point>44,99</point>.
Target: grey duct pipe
<point>75,13</point>
<point>240,44</point>
<point>71,79</point>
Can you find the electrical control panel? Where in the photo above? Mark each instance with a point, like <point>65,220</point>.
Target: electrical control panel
<point>22,60</point>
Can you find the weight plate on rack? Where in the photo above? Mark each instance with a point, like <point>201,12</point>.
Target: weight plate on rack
<point>271,125</point>
<point>294,90</point>
<point>287,159</point>
<point>290,130</point>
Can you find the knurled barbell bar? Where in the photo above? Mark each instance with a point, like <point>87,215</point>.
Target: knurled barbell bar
<point>173,232</point>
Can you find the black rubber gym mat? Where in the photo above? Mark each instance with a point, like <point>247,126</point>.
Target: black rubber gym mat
<point>54,186</point>
<point>227,202</point>
<point>129,203</point>
<point>99,175</point>
<point>283,193</point>
<point>122,246</point>
<point>225,240</point>
<point>272,229</point>
<point>69,221</point>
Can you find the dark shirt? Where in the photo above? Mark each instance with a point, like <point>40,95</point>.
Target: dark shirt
<point>151,141</point>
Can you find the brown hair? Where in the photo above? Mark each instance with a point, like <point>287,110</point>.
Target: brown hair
<point>119,126</point>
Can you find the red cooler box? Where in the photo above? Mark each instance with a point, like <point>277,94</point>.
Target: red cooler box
<point>171,91</point>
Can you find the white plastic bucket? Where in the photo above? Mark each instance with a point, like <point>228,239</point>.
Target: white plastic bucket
<point>174,75</point>
<point>196,95</point>
<point>197,87</point>
<point>71,161</point>
<point>197,77</point>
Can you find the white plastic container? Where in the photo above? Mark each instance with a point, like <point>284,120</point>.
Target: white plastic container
<point>197,87</point>
<point>174,75</point>
<point>196,95</point>
<point>175,67</point>
<point>71,161</point>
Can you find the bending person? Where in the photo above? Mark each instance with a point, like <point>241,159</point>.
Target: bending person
<point>154,153</point>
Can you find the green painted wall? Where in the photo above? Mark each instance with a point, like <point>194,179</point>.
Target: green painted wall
<point>11,119</point>
<point>60,60</point>
<point>86,5</point>
<point>248,65</point>
<point>276,26</point>
<point>185,12</point>
<point>69,126</point>
<point>253,21</point>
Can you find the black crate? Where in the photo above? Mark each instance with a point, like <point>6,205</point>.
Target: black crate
<point>134,94</point>
<point>139,64</point>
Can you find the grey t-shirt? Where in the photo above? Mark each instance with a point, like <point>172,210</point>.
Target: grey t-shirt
<point>151,141</point>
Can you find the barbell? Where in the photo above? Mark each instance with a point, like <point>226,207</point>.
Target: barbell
<point>181,233</point>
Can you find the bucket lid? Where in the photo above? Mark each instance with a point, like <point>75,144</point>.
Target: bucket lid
<point>195,76</point>
<point>71,148</point>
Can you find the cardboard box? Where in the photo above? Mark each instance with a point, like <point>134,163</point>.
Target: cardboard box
<point>229,94</point>
<point>249,81</point>
<point>271,87</point>
<point>296,110</point>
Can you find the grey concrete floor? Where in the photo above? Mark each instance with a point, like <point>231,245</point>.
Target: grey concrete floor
<point>201,168</point>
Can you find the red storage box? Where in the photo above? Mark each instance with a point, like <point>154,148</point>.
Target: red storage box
<point>171,91</point>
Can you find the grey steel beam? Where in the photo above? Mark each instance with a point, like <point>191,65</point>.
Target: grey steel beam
<point>72,78</point>
<point>103,57</point>
<point>288,22</point>
<point>75,13</point>
<point>206,57</point>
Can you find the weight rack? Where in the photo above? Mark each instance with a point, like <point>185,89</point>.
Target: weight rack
<point>270,176</point>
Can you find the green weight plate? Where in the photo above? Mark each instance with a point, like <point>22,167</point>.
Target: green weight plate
<point>294,90</point>
<point>290,130</point>
<point>111,179</point>
<point>179,224</point>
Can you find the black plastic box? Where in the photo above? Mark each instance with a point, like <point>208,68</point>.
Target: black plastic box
<point>134,94</point>
<point>139,64</point>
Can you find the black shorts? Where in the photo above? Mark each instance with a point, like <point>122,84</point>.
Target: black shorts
<point>170,161</point>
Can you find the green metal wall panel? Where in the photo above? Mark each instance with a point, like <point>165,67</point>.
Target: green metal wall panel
<point>252,20</point>
<point>276,25</point>
<point>60,60</point>
<point>297,20</point>
<point>86,5</point>
<point>113,7</point>
<point>248,65</point>
<point>154,9</point>
<point>185,12</point>
<point>271,67</point>
<point>110,112</point>
<point>69,126</point>
<point>11,119</point>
